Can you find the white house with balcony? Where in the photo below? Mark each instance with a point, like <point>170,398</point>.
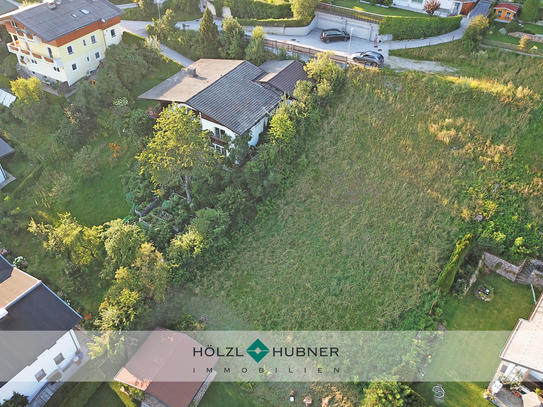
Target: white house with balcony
<point>64,40</point>
<point>230,97</point>
<point>36,333</point>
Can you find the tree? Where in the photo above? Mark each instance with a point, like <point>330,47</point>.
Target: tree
<point>109,86</point>
<point>177,148</point>
<point>122,242</point>
<point>163,28</point>
<point>147,276</point>
<point>87,96</point>
<point>446,277</point>
<point>209,37</point>
<point>431,6</point>
<point>475,32</point>
<point>529,10</point>
<point>128,66</point>
<point>31,102</point>
<point>303,10</point>
<point>255,53</point>
<point>283,131</point>
<point>119,311</point>
<point>524,41</point>
<point>87,161</point>
<point>326,73</point>
<point>80,243</point>
<point>147,7</point>
<point>386,394</point>
<point>17,400</point>
<point>140,127</point>
<point>232,39</point>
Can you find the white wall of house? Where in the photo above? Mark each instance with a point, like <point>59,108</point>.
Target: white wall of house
<point>2,174</point>
<point>255,131</point>
<point>453,7</point>
<point>26,383</point>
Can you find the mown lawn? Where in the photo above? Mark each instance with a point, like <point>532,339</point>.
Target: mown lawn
<point>230,395</point>
<point>110,395</point>
<point>390,11</point>
<point>511,301</point>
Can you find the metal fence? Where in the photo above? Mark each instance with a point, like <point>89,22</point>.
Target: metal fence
<point>350,13</point>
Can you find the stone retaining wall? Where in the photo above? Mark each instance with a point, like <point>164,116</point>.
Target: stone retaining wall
<point>534,37</point>
<point>500,266</point>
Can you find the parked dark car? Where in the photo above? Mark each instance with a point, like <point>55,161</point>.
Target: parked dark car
<point>334,35</point>
<point>371,58</point>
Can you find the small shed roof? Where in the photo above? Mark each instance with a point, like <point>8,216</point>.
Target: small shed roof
<point>525,344</point>
<point>6,98</point>
<point>5,149</point>
<point>160,365</point>
<point>508,6</point>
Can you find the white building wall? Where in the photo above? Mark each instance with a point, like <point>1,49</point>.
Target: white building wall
<point>2,174</point>
<point>25,382</point>
<point>537,375</point>
<point>416,5</point>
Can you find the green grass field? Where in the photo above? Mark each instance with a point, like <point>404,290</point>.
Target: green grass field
<point>390,11</point>
<point>110,395</point>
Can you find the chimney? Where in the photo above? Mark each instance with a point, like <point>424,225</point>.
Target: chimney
<point>191,71</point>
<point>51,5</point>
<point>58,2</point>
<point>3,312</point>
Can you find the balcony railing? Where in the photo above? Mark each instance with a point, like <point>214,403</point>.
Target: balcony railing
<point>15,47</point>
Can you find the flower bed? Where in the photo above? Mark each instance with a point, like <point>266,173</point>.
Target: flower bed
<point>486,293</point>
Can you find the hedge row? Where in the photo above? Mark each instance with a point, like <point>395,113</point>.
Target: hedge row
<point>446,278</point>
<point>250,9</point>
<point>409,28</point>
<point>273,22</point>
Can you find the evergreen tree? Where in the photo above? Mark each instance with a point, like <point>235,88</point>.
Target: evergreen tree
<point>529,10</point>
<point>256,54</point>
<point>232,39</point>
<point>209,37</point>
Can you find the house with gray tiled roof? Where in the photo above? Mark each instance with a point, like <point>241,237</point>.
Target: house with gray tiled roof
<point>231,97</point>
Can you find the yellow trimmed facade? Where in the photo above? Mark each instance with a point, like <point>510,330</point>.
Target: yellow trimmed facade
<point>66,59</point>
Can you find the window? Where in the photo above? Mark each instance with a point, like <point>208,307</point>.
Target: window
<point>508,15</point>
<point>88,59</point>
<point>84,11</point>
<point>74,67</point>
<point>499,13</point>
<point>33,73</point>
<point>219,133</point>
<point>50,51</point>
<point>40,375</point>
<point>93,39</point>
<point>34,61</point>
<point>13,24</point>
<point>56,69</point>
<point>84,43</point>
<point>70,49</point>
<point>59,359</point>
<point>97,55</point>
<point>113,33</point>
<point>219,148</point>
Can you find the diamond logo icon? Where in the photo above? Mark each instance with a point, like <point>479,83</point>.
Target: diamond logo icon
<point>257,350</point>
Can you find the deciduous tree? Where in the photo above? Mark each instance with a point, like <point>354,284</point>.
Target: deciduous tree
<point>431,6</point>
<point>529,10</point>
<point>177,148</point>
<point>303,10</point>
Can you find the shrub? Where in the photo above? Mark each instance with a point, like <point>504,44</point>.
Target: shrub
<point>524,41</point>
<point>407,28</point>
<point>258,9</point>
<point>475,32</point>
<point>431,6</point>
<point>274,22</point>
<point>446,278</point>
<point>512,27</point>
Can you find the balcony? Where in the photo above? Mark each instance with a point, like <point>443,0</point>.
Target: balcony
<point>15,47</point>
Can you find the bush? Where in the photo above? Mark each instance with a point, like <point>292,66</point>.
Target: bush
<point>258,9</point>
<point>446,278</point>
<point>512,27</point>
<point>475,32</point>
<point>408,28</point>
